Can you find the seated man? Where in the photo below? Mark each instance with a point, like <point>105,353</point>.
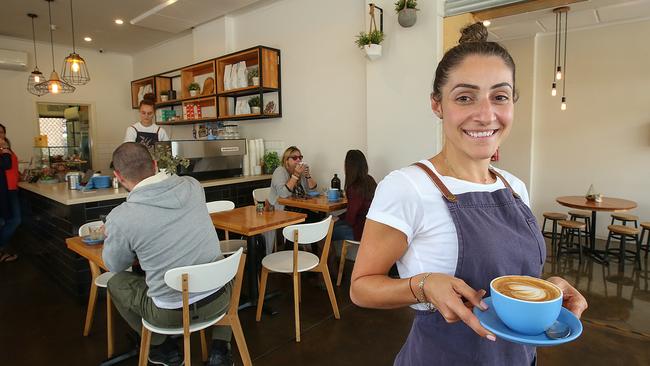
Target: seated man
<point>164,223</point>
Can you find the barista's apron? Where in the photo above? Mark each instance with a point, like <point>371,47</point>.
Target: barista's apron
<point>497,235</point>
<point>148,139</point>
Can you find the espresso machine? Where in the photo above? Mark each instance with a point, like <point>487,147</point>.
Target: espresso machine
<point>210,159</point>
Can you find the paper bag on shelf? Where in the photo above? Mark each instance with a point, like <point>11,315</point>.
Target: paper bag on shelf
<point>226,77</point>
<point>242,80</point>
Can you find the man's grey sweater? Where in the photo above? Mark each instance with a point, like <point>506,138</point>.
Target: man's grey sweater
<point>165,224</point>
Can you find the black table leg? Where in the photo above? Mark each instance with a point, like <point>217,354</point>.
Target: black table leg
<point>595,254</point>
<point>255,244</point>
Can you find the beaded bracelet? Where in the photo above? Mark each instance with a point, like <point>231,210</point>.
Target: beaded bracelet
<point>429,305</point>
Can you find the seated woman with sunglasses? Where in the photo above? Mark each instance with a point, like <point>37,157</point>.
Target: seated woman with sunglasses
<point>292,177</point>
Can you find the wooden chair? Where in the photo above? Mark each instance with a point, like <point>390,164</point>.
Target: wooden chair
<point>584,216</point>
<point>201,278</point>
<point>344,251</point>
<point>98,279</point>
<point>570,229</point>
<point>295,262</point>
<point>227,246</point>
<point>622,233</point>
<point>554,217</point>
<point>624,219</point>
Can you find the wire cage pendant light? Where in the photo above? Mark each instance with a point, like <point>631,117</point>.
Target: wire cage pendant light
<point>74,69</point>
<point>54,85</point>
<point>560,48</point>
<point>35,76</point>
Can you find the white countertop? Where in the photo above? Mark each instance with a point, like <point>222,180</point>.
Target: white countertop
<point>59,191</point>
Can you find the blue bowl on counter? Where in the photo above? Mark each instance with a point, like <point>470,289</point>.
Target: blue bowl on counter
<point>101,181</point>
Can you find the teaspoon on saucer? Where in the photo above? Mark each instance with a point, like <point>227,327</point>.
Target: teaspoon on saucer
<point>558,330</point>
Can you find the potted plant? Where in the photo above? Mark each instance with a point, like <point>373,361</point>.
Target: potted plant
<point>254,103</point>
<point>253,77</point>
<point>194,89</point>
<point>370,42</point>
<point>168,163</point>
<point>406,12</point>
<point>271,161</point>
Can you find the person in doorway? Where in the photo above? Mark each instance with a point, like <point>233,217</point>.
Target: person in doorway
<point>178,233</point>
<point>12,220</point>
<point>452,223</point>
<point>359,190</point>
<point>146,131</point>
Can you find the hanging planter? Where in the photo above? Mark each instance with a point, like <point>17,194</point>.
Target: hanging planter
<point>370,42</point>
<point>406,12</point>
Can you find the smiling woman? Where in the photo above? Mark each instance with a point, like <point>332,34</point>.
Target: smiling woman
<point>452,223</point>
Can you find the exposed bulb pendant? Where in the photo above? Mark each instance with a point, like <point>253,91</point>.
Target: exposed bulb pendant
<point>36,76</point>
<point>559,68</point>
<point>54,85</point>
<point>74,69</point>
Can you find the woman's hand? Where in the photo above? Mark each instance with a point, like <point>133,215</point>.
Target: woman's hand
<point>299,169</point>
<point>573,300</point>
<point>445,293</point>
<point>306,171</point>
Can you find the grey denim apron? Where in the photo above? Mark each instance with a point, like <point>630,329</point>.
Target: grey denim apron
<point>497,235</point>
<point>149,139</point>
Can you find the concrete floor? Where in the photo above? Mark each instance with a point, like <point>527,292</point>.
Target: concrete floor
<point>42,325</point>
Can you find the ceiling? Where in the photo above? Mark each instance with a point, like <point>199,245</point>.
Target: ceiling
<point>582,15</point>
<point>162,20</point>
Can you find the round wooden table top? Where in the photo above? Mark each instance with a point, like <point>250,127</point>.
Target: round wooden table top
<point>608,203</point>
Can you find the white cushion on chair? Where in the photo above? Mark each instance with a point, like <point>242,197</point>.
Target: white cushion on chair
<point>102,279</point>
<point>283,261</point>
<point>193,326</point>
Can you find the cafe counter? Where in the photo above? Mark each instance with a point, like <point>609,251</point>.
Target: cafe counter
<point>52,213</point>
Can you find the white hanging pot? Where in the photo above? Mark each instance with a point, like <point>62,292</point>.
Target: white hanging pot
<point>407,17</point>
<point>373,51</point>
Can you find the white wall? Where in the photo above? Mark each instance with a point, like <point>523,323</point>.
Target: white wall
<point>402,129</point>
<point>603,138</point>
<point>107,93</point>
<point>333,99</point>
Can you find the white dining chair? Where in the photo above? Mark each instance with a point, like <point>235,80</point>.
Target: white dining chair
<point>228,246</point>
<point>98,280</point>
<point>295,262</point>
<point>202,278</point>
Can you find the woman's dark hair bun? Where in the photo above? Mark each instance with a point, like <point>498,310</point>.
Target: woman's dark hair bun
<point>473,33</point>
<point>149,97</point>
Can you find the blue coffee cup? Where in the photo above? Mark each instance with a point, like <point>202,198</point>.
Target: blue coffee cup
<point>333,194</point>
<point>526,317</point>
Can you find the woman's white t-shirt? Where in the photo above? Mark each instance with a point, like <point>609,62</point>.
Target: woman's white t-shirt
<point>408,201</point>
<point>131,133</point>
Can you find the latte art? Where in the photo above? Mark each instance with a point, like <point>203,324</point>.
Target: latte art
<point>526,288</point>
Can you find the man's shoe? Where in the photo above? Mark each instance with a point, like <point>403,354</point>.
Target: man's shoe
<point>165,354</point>
<point>220,355</point>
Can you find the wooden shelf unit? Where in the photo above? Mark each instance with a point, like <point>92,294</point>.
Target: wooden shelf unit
<point>135,89</point>
<point>265,59</point>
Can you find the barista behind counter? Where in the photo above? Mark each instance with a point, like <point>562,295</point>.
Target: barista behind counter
<point>146,131</point>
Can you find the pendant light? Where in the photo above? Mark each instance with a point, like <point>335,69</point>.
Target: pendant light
<point>54,85</point>
<point>559,58</point>
<point>36,76</point>
<point>74,69</point>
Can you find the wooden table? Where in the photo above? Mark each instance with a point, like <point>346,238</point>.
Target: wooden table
<point>319,204</point>
<point>609,204</point>
<point>248,222</point>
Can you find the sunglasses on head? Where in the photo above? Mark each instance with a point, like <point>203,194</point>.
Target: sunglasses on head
<point>294,158</point>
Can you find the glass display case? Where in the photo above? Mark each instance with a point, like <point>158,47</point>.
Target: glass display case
<point>60,158</point>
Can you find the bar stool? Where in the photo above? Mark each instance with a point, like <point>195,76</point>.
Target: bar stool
<point>554,217</point>
<point>578,215</point>
<point>622,233</point>
<point>570,229</point>
<point>624,219</point>
<point>645,229</point>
